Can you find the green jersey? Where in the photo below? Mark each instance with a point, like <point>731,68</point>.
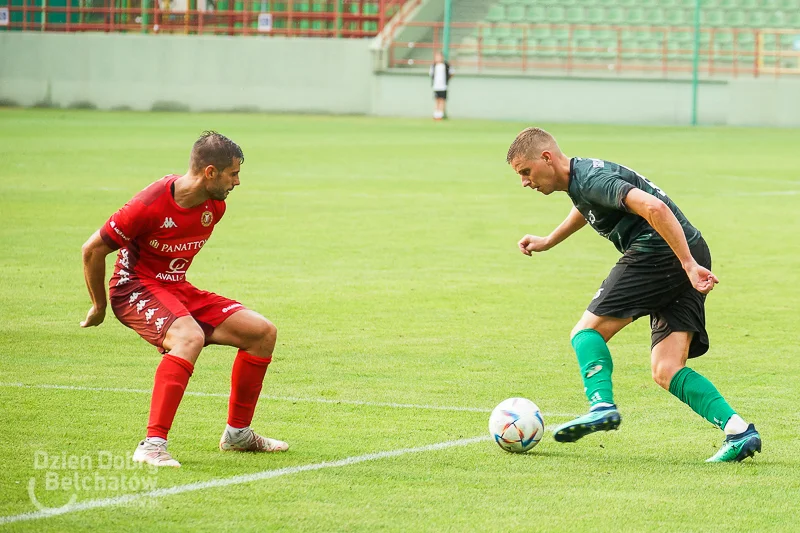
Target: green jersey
<point>598,189</point>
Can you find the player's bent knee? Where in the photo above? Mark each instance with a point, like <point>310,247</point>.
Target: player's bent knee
<point>580,326</point>
<point>185,337</point>
<point>663,374</point>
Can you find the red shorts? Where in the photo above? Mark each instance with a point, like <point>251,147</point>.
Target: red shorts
<point>149,307</point>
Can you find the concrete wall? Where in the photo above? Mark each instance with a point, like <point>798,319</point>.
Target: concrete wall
<point>191,72</point>
<point>757,102</point>
<point>336,76</point>
<point>549,99</point>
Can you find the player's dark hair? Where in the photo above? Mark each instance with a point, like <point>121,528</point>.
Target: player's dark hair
<point>528,141</point>
<point>213,148</point>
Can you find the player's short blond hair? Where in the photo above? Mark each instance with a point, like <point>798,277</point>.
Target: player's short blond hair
<point>531,142</point>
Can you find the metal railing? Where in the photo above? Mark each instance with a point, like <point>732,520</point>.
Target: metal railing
<point>663,50</point>
<point>329,18</point>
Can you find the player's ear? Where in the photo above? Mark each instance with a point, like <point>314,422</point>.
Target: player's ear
<point>210,171</point>
<point>547,157</point>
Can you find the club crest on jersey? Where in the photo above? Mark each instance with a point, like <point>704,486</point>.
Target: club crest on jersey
<point>154,243</point>
<point>207,218</point>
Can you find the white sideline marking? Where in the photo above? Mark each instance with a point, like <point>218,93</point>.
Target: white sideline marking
<point>763,193</point>
<point>274,398</point>
<point>235,480</point>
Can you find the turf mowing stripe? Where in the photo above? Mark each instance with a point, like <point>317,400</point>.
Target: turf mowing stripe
<point>274,398</point>
<point>235,480</point>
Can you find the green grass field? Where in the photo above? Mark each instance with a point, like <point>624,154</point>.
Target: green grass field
<point>385,252</point>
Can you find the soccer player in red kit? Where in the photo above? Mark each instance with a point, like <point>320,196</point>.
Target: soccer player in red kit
<point>158,233</point>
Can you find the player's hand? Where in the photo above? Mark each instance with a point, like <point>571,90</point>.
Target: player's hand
<point>531,243</point>
<point>702,278</point>
<point>94,317</point>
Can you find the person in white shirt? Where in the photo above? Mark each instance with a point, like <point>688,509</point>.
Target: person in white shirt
<point>440,73</point>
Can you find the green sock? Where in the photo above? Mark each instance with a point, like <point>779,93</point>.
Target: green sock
<point>700,394</point>
<point>596,366</point>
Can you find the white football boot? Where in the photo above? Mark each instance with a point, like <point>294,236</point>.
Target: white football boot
<point>155,454</point>
<point>248,440</point>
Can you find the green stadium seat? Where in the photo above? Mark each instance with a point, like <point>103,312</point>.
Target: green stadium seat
<point>654,16</point>
<point>317,25</point>
<point>595,15</point>
<point>561,33</point>
<point>755,19</point>
<point>556,14</point>
<point>713,19</point>
<point>729,4</point>
<point>787,40</point>
<point>723,52</point>
<point>682,37</point>
<point>537,14</point>
<point>687,3</point>
<point>723,37</point>
<point>769,41</point>
<point>677,17</point>
<point>500,32</point>
<point>302,7</point>
<point>574,15</point>
<point>615,15</point>
<point>790,5</point>
<point>543,48</point>
<point>489,46</point>
<point>777,20</point>
<point>735,19</point>
<point>627,3</point>
<point>509,47</point>
<point>585,49</point>
<point>496,13</point>
<point>541,32</point>
<point>770,5</point>
<point>515,13</point>
<point>531,47</point>
<point>748,4</point>
<point>608,49</point>
<point>318,7</point>
<point>371,8</point>
<point>508,1</point>
<point>794,20</point>
<point>635,16</point>
<point>678,51</point>
<point>606,35</point>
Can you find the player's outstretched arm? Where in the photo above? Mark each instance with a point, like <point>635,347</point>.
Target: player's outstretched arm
<point>531,243</point>
<point>94,253</point>
<point>662,219</point>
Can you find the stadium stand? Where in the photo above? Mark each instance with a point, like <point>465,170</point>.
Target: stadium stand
<point>636,30</point>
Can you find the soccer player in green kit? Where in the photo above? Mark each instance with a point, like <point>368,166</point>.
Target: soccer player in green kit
<point>664,272</point>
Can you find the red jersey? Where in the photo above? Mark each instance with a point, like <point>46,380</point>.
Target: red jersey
<point>158,239</point>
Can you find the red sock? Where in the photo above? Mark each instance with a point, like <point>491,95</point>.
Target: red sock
<point>172,376</point>
<point>246,380</point>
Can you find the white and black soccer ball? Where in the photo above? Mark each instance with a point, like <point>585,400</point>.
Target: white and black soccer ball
<point>516,425</point>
